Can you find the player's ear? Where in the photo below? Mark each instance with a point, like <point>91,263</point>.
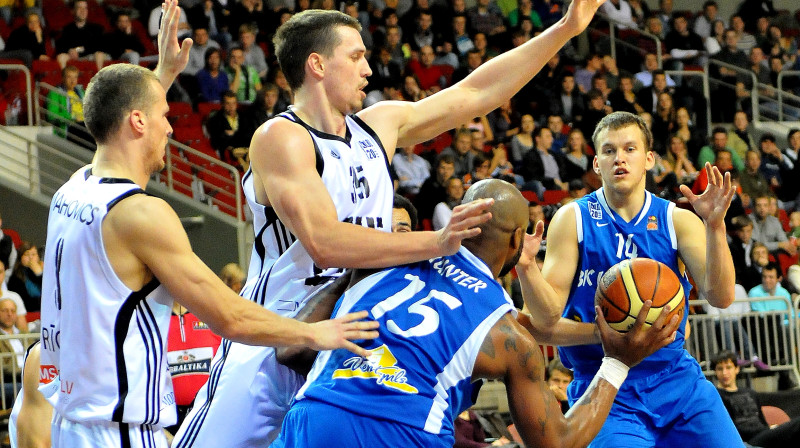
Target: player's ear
<point>650,162</point>
<point>137,120</point>
<point>517,239</point>
<point>595,165</point>
<point>315,65</point>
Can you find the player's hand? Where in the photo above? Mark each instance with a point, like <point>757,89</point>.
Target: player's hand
<point>531,246</point>
<point>639,342</point>
<point>580,13</point>
<point>463,224</point>
<point>172,56</point>
<point>713,203</point>
<point>338,333</point>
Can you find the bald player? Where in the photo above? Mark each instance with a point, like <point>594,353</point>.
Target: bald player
<point>444,324</point>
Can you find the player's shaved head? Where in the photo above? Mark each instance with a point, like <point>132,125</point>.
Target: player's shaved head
<point>501,238</point>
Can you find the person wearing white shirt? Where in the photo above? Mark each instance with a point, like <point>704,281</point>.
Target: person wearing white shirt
<point>411,169</point>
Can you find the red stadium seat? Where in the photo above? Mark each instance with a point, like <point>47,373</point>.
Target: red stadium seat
<point>205,109</point>
<point>530,196</point>
<point>554,196</point>
<point>47,71</point>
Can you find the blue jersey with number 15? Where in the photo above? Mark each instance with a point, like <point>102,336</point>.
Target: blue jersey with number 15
<point>434,315</point>
<point>605,239</point>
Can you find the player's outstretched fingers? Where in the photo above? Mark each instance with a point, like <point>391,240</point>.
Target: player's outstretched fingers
<point>641,318</point>
<point>664,331</point>
<point>360,351</point>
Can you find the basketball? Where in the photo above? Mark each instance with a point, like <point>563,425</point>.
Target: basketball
<point>623,289</point>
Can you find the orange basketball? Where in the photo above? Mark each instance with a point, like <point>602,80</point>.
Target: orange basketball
<point>623,289</point>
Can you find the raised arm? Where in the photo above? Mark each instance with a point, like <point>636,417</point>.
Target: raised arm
<point>484,90</point>
<point>545,292</point>
<point>172,55</point>
<point>703,245</point>
<point>511,354</point>
<point>283,161</point>
<point>144,238</point>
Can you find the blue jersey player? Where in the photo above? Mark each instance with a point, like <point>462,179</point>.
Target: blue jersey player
<point>446,323</point>
<point>666,400</point>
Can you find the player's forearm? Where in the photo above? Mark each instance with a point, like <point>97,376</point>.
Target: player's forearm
<point>720,274</point>
<point>351,246</point>
<point>540,298</point>
<point>563,332</point>
<point>249,323</point>
<point>587,415</point>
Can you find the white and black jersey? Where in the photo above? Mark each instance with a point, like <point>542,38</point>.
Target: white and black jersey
<point>102,345</point>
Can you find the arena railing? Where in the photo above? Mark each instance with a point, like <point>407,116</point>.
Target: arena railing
<point>11,370</point>
<point>770,335</point>
<point>781,93</point>
<point>613,26</point>
<point>744,72</point>
<point>188,171</point>
<point>28,87</point>
<point>706,90</point>
<point>39,167</point>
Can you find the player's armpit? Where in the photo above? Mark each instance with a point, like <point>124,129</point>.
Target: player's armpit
<point>511,354</point>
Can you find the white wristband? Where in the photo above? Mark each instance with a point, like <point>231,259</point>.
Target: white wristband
<point>613,371</point>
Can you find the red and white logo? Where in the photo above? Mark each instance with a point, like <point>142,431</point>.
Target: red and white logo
<point>47,373</point>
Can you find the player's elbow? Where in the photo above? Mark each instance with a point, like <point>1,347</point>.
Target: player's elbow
<point>324,255</point>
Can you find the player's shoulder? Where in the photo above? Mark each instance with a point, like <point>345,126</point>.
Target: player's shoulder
<point>140,212</point>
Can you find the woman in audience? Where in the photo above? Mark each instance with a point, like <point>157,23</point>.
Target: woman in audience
<point>443,210</point>
<point>578,163</point>
<point>277,77</point>
<point>680,162</point>
<point>523,141</point>
<point>411,90</point>
<point>716,41</point>
<point>26,277</point>
<point>663,122</point>
<point>504,122</point>
<point>686,131</point>
<point>213,81</point>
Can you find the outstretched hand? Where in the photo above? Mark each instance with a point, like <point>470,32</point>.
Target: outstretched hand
<point>713,203</point>
<point>581,12</point>
<point>172,55</point>
<point>639,342</point>
<point>531,246</point>
<point>464,224</point>
<point>339,332</point>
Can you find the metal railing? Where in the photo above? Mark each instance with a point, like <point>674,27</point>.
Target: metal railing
<point>706,90</point>
<point>614,40</point>
<point>781,93</point>
<point>744,72</point>
<point>770,335</point>
<point>28,86</point>
<point>11,368</point>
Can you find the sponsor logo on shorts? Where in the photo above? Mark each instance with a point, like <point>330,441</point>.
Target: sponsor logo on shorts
<point>47,373</point>
<point>381,365</point>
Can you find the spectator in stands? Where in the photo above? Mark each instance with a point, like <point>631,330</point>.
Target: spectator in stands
<point>482,45</point>
<point>522,142</point>
<point>265,106</point>
<point>688,132</point>
<point>719,142</point>
<point>739,139</point>
<point>212,16</point>
<point>768,229</point>
<point>577,164</point>
<point>29,37</point>
<point>230,132</point>
<point>556,125</point>
<point>558,379</point>
<point>752,10</point>
<point>197,54</point>
<point>624,98</point>
<point>542,169</point>
<point>474,60</point>
<point>485,17</point>
<point>232,275</point>
<point>65,105</point>
<point>648,97</point>
<point>154,22</point>
<point>277,77</point>
<point>741,245</point>
<point>81,39</point>
<point>412,170</point>
<point>645,77</point>
<point>122,43</point>
<point>212,80</point>
<point>619,11</point>
<point>567,101</point>
<point>524,9</point>
<point>8,253</point>
<point>704,23</point>
<point>443,210</point>
<point>550,11</point>
<point>745,409</point>
<point>664,14</point>
<point>770,286</point>
<point>595,111</point>
<point>385,71</point>
<point>244,79</point>
<point>253,54</point>
<point>480,171</point>
<point>504,123</point>
<point>10,366</point>
<point>463,42</point>
<point>744,40</point>
<point>775,167</point>
<point>723,160</point>
<point>411,90</point>
<point>789,192</point>
<point>716,41</point>
<point>20,322</point>
<point>684,44</point>
<point>752,178</point>
<point>400,51</point>
<point>423,33</point>
<point>583,76</point>
<point>350,7</point>
<point>26,277</point>
<point>404,215</point>
<point>663,122</point>
<point>431,77</point>
<point>680,162</point>
<point>247,12</point>
<point>461,151</point>
<point>433,189</point>
<point>759,259</point>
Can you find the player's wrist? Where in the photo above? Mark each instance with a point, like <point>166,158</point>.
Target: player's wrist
<point>613,371</point>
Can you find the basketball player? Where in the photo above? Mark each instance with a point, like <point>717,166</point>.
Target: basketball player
<point>117,257</point>
<point>321,167</point>
<point>445,323</point>
<point>666,400</point>
<point>29,423</point>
